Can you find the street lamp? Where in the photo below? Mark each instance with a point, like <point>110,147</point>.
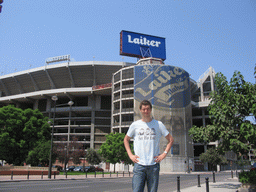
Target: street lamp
<point>54,98</point>
<point>70,103</point>
<point>65,161</point>
<point>84,152</point>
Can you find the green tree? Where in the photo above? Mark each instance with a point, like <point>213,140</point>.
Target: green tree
<point>20,132</point>
<point>40,154</point>
<point>231,103</point>
<point>213,157</point>
<point>113,150</point>
<point>92,157</point>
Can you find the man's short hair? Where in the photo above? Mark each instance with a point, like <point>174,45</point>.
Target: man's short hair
<point>145,102</point>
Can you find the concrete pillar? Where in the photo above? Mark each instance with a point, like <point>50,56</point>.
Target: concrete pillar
<point>93,104</point>
<point>203,117</point>
<point>201,91</point>
<point>48,105</point>
<point>211,78</point>
<point>35,105</point>
<point>206,164</point>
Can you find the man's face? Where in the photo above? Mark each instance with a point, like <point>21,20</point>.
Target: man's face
<point>145,110</point>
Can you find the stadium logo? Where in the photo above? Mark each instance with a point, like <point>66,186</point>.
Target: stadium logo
<point>143,41</point>
<point>165,86</point>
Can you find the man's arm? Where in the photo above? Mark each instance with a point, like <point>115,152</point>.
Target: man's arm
<point>167,149</point>
<point>128,149</point>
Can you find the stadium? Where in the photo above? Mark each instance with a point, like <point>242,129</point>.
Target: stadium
<point>104,102</point>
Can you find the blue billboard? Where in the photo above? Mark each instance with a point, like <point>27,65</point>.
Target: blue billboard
<point>134,44</point>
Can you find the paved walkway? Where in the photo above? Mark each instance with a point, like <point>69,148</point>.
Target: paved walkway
<point>230,186</point>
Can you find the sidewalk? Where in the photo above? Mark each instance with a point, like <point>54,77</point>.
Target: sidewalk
<point>232,185</point>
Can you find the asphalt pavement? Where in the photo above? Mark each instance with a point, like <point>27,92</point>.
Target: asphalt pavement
<point>229,185</point>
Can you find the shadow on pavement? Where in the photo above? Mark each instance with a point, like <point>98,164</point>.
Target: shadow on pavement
<point>226,186</point>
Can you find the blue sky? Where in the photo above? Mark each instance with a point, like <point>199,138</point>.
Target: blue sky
<point>199,33</point>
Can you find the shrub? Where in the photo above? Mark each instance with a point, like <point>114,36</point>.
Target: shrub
<point>247,177</point>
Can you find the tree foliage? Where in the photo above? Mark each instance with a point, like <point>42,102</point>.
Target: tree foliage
<point>113,150</point>
<point>92,157</point>
<point>20,132</point>
<point>40,154</point>
<point>213,157</point>
<point>231,103</point>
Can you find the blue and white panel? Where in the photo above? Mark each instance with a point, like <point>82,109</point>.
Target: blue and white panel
<point>165,86</point>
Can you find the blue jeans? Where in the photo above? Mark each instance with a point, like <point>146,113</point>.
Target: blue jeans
<point>145,174</point>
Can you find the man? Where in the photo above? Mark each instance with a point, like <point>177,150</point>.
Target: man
<point>146,133</point>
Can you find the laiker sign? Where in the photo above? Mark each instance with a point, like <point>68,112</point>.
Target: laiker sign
<point>143,41</point>
<point>131,44</point>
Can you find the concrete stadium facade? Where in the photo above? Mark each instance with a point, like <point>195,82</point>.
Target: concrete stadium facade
<point>103,102</point>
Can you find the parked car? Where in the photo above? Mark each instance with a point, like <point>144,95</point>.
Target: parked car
<point>78,168</point>
<point>59,168</point>
<point>98,169</point>
<point>70,168</point>
<point>253,167</point>
<point>89,169</point>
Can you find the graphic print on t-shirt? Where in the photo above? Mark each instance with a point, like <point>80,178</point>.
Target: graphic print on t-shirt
<point>147,134</point>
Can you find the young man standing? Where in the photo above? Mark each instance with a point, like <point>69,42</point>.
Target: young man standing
<point>146,133</point>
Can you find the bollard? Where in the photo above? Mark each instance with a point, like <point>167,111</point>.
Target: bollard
<point>236,174</point>
<point>213,176</point>
<point>66,173</point>
<point>54,173</point>
<point>86,174</point>
<point>207,184</point>
<point>95,174</point>
<point>123,173</point>
<point>12,175</point>
<point>110,173</point>
<point>102,173</point>
<point>42,175</point>
<point>198,181</point>
<point>129,173</point>
<point>28,175</point>
<point>178,184</point>
<point>117,174</point>
<point>231,173</point>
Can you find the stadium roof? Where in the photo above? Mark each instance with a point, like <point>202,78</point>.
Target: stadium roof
<point>71,78</point>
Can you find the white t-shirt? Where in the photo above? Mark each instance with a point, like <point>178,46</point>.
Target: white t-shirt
<point>146,139</point>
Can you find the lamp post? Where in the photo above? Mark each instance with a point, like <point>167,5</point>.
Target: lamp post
<point>84,153</point>
<point>65,160</point>
<point>54,98</point>
<point>70,103</point>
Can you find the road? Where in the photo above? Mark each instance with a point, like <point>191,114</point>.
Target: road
<point>168,182</point>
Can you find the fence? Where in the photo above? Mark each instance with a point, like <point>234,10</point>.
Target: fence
<point>14,175</point>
